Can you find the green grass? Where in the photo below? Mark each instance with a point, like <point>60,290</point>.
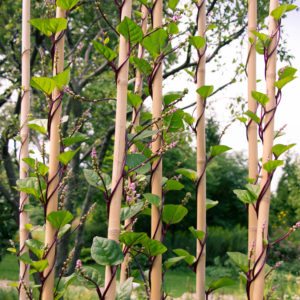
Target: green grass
<point>177,282</point>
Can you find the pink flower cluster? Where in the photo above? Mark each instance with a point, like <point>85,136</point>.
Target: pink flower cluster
<point>132,193</point>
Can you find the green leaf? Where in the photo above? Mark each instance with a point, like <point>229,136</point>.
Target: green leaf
<point>153,247</point>
<point>261,98</point>
<point>132,238</point>
<point>49,26</point>
<point>128,212</point>
<point>218,149</point>
<point>173,185</point>
<point>205,91</point>
<point>141,64</point>
<point>93,179</point>
<point>240,259</point>
<point>142,135</point>
<point>271,165</point>
<point>77,137</point>
<point>173,261</point>
<point>156,42</point>
<point>42,169</point>
<point>280,84</point>
<point>29,186</point>
<point>40,265</point>
<point>36,247</point>
<point>60,218</point>
<point>125,289</point>
<point>173,214</point>
<point>67,156</point>
<point>280,149</point>
<point>278,12</point>
<point>44,84</point>
<point>253,189</point>
<point>172,28</point>
<point>94,275</point>
<point>62,79</point>
<point>211,203</point>
<point>189,258</point>
<point>221,283</point>
<point>252,116</point>
<point>152,199</point>
<point>188,173</point>
<point>174,122</point>
<point>130,30</point>
<point>108,53</point>
<point>134,160</point>
<point>66,4</point>
<point>171,97</point>
<point>134,99</point>
<point>245,196</point>
<point>172,4</point>
<point>197,41</point>
<point>39,125</point>
<point>106,252</point>
<point>286,72</point>
<point>198,234</point>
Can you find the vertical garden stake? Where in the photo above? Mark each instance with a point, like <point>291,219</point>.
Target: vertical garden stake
<point>201,156</point>
<point>54,151</point>
<point>252,126</point>
<point>156,184</point>
<point>119,148</point>
<point>268,137</point>
<point>24,134</point>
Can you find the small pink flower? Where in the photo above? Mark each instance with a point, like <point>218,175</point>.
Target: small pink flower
<point>297,224</point>
<point>176,18</point>
<point>78,264</point>
<point>94,153</point>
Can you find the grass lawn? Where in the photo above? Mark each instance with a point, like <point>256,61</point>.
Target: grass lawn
<point>177,282</point>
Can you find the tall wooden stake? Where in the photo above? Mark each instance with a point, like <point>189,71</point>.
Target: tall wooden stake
<point>156,184</point>
<point>201,158</point>
<point>53,177</point>
<point>24,133</point>
<point>268,137</point>
<point>252,127</point>
<point>135,121</point>
<point>119,149</point>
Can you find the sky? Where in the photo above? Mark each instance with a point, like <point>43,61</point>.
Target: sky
<point>288,112</point>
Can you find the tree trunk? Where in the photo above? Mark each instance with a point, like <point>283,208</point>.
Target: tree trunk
<point>156,184</point>
<point>268,137</point>
<point>201,158</point>
<point>119,148</point>
<point>53,178</point>
<point>136,121</point>
<point>24,150</point>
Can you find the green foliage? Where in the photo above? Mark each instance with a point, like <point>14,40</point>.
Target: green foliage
<point>173,214</point>
<point>49,26</point>
<point>130,30</point>
<point>278,12</point>
<point>188,173</point>
<point>261,98</point>
<point>106,252</point>
<point>130,211</point>
<point>66,4</point>
<point>67,156</point>
<point>152,199</point>
<point>156,42</point>
<point>272,165</point>
<point>60,218</point>
<point>173,185</point>
<point>125,289</point>
<point>198,42</point>
<point>218,149</point>
<point>240,259</point>
<point>108,53</point>
<point>220,283</point>
<point>205,91</point>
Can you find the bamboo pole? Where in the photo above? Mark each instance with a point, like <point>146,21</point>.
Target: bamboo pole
<point>201,158</point>
<point>135,121</point>
<point>53,177</point>
<point>252,127</point>
<point>119,149</point>
<point>24,134</point>
<point>268,137</point>
<point>156,183</point>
